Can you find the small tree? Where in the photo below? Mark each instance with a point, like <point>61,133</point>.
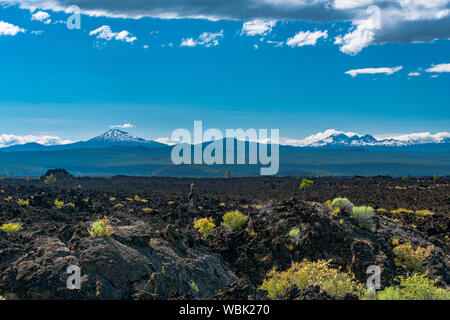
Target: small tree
<point>228,174</point>
<point>436,177</point>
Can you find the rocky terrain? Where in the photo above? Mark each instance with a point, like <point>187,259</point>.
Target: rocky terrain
<point>155,252</point>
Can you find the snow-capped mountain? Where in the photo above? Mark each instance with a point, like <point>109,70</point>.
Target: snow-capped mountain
<point>334,138</point>
<point>117,136</point>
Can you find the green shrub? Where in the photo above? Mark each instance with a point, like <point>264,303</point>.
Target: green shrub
<point>50,179</point>
<point>339,204</point>
<point>100,228</point>
<point>11,227</point>
<point>405,178</point>
<point>228,174</point>
<point>193,286</point>
<point>205,226</point>
<point>234,220</point>
<point>402,210</point>
<point>61,204</point>
<point>409,258</point>
<point>424,213</point>
<point>138,199</point>
<point>416,287</point>
<point>22,202</point>
<point>294,233</point>
<point>306,183</point>
<point>305,274</point>
<point>363,215</point>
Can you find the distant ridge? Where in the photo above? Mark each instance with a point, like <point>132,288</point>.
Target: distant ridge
<point>328,139</point>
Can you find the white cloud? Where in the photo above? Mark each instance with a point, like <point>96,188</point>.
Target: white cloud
<point>189,42</point>
<point>401,21</point>
<point>41,16</point>
<point>386,70</point>
<point>123,126</point>
<point>439,68</point>
<point>356,40</point>
<point>258,27</point>
<point>207,39</point>
<point>307,38</point>
<point>413,74</point>
<point>105,32</point>
<point>7,140</point>
<point>145,46</point>
<point>8,29</point>
<point>166,141</point>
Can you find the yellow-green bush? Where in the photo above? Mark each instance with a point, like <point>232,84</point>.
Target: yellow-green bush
<point>11,227</point>
<point>61,204</point>
<point>339,204</point>
<point>100,228</point>
<point>409,258</point>
<point>306,183</point>
<point>363,215</point>
<point>205,226</point>
<point>402,210</point>
<point>137,198</point>
<point>50,179</point>
<point>22,202</point>
<point>294,233</point>
<point>424,212</point>
<point>416,287</point>
<point>234,220</point>
<point>305,274</point>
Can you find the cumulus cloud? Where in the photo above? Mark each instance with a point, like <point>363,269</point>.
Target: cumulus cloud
<point>166,141</point>
<point>385,70</point>
<point>413,74</point>
<point>400,21</point>
<point>258,27</point>
<point>207,39</point>
<point>8,29</point>
<point>122,126</point>
<point>439,68</point>
<point>307,38</point>
<point>41,16</point>
<point>105,32</point>
<point>7,140</point>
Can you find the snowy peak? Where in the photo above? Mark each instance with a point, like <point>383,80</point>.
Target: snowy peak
<point>117,136</point>
<point>334,138</point>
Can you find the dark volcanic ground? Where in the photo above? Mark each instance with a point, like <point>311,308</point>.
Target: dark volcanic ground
<point>155,252</point>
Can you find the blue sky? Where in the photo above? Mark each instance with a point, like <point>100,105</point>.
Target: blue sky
<point>75,84</point>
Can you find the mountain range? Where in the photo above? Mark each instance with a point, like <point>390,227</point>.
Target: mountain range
<point>324,154</point>
<point>328,139</point>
